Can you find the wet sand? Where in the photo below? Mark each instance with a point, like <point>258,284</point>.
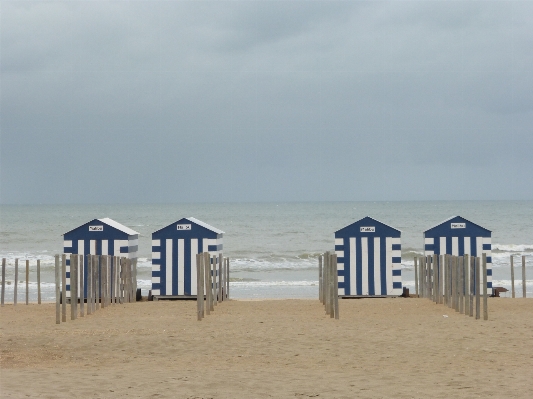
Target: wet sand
<point>380,348</point>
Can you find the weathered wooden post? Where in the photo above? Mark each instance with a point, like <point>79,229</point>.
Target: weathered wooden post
<point>327,270</point>
<point>3,280</point>
<point>335,286</point>
<point>220,286</point>
<point>38,281</point>
<point>114,281</point>
<point>96,265</point>
<point>446,278</point>
<point>103,273</point>
<point>72,288</point>
<point>15,287</point>
<point>454,282</point>
<point>58,289</point>
<point>441,279</point>
<point>435,278</point>
<point>330,285</point>
<point>215,285</point>
<point>227,278</point>
<point>472,285</point>
<point>485,301</point>
<point>64,288</point>
<point>207,282</point>
<point>478,298</point>
<point>460,267</point>
<point>421,276</point>
<point>466,264</point>
<point>199,293</point>
<point>134,280</point>
<point>89,284</point>
<point>512,278</point>
<point>320,278</point>
<point>81,270</point>
<point>27,281</point>
<point>523,276</point>
<point>209,272</point>
<point>416,275</point>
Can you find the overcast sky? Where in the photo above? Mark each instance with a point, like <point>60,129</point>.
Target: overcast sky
<point>109,102</point>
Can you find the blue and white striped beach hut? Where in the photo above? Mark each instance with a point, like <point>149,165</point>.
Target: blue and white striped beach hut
<point>99,237</point>
<point>458,236</point>
<point>174,250</point>
<point>369,256</point>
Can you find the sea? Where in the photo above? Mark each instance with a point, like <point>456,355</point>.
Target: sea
<point>273,247</point>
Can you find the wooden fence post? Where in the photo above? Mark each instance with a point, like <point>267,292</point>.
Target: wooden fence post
<point>416,275</point>
<point>27,281</point>
<point>15,287</point>
<point>207,272</point>
<point>104,281</point>
<point>89,284</point>
<point>512,278</point>
<point>461,284</point>
<point>441,279</point>
<point>3,280</point>
<point>331,286</point>
<point>215,283</point>
<point>220,279</point>
<point>58,289</point>
<point>478,298</point>
<point>81,272</point>
<point>335,286</point>
<point>199,294</point>
<point>38,281</point>
<point>466,264</point>
<point>523,276</point>
<point>472,285</point>
<point>64,288</point>
<point>320,278</point>
<point>435,273</point>
<point>72,287</point>
<point>485,301</point>
<point>421,276</point>
<point>327,271</point>
<point>227,278</point>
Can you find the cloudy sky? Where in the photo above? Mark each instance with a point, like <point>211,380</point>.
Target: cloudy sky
<point>171,101</point>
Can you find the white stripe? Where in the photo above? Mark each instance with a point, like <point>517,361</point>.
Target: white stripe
<point>426,253</point>
<point>455,246</point>
<point>340,291</point>
<point>428,240</point>
<point>377,266</point>
<point>81,251</point>
<point>92,247</point>
<point>156,243</point>
<point>396,253</point>
<point>341,279</point>
<point>396,240</point>
<point>104,247</point>
<point>156,268</point>
<point>156,280</point>
<point>339,241</point>
<point>364,265</point>
<point>388,263</point>
<point>168,266</point>
<point>156,255</point>
<point>353,268</point>
<point>181,266</point>
<point>442,249</point>
<point>67,243</point>
<point>340,254</point>
<point>467,246</point>
<point>156,292</point>
<point>479,252</point>
<point>194,252</point>
<point>116,247</point>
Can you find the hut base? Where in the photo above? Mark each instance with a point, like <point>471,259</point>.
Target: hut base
<point>174,297</point>
<point>367,296</point>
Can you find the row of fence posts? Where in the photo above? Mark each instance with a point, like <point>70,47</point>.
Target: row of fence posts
<point>209,269</point>
<point>15,287</point>
<point>328,283</point>
<point>455,281</point>
<point>110,280</point>
<point>523,276</point>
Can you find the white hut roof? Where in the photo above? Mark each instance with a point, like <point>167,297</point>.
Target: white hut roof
<point>118,226</point>
<point>203,224</point>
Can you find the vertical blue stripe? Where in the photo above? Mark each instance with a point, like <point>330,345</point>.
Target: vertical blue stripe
<point>448,245</point>
<point>163,277</point>
<point>187,265</point>
<point>359,266</point>
<point>347,266</point>
<point>371,288</point>
<point>383,264</point>
<point>473,248</point>
<point>436,246</point>
<point>175,256</point>
<point>461,246</point>
<point>86,250</point>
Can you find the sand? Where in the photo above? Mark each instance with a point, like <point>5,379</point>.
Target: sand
<point>380,348</point>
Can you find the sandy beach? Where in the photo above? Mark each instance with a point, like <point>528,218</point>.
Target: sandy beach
<point>380,348</point>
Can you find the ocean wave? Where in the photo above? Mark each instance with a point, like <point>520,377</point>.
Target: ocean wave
<point>499,248</point>
<point>302,283</point>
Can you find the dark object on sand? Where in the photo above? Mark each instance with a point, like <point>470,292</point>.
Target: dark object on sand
<point>496,291</point>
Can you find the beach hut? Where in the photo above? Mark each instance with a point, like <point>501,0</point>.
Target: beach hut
<point>99,237</point>
<point>459,236</point>
<point>369,257</point>
<point>174,250</point>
